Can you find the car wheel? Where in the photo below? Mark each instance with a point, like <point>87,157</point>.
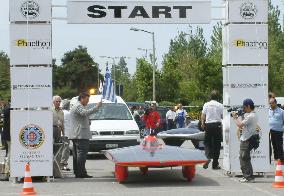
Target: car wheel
<point>188,172</point>
<point>143,170</point>
<point>121,173</point>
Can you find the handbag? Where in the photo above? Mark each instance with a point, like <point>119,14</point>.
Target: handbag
<point>254,141</point>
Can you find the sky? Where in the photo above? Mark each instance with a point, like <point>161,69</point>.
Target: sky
<point>112,40</point>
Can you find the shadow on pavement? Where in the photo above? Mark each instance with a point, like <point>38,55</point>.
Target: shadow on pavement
<point>154,178</point>
<point>96,157</point>
<point>165,178</point>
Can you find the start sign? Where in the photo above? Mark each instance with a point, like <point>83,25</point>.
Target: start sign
<point>139,12</point>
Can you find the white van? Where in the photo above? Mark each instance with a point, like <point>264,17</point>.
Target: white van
<point>280,100</point>
<point>113,126</point>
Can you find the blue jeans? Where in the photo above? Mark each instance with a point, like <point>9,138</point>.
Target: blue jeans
<point>80,151</point>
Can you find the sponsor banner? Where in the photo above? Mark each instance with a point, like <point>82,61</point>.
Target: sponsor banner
<point>246,44</point>
<point>30,44</point>
<point>31,136</point>
<point>31,87</point>
<point>242,82</point>
<point>247,11</point>
<point>231,144</point>
<point>30,10</point>
<point>147,12</point>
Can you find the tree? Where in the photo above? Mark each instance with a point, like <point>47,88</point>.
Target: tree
<point>77,73</point>
<point>183,68</point>
<point>4,77</point>
<point>276,51</point>
<point>143,80</point>
<point>122,77</point>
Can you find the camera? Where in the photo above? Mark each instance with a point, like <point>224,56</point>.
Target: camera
<point>238,111</point>
<point>147,110</point>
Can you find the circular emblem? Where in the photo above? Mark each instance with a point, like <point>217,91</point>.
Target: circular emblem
<point>31,136</point>
<point>248,10</point>
<point>30,9</point>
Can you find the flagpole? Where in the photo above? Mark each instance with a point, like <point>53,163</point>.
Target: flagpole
<point>98,77</point>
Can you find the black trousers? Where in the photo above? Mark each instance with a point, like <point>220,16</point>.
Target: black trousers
<point>212,141</point>
<point>80,151</point>
<point>276,139</point>
<point>171,124</point>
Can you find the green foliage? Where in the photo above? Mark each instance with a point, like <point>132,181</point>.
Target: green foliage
<point>191,69</point>
<point>65,92</point>
<point>122,77</point>
<point>276,51</point>
<point>77,73</point>
<point>167,103</point>
<point>4,77</point>
<point>130,90</point>
<point>143,80</point>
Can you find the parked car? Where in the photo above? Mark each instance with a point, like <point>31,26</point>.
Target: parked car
<point>163,123</point>
<point>113,126</point>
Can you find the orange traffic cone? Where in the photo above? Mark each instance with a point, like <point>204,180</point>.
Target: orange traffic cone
<point>279,179</point>
<point>28,188</point>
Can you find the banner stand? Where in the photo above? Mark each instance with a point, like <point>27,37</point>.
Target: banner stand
<point>31,88</point>
<point>245,75</point>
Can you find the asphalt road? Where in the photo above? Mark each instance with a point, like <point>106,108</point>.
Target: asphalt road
<point>164,182</point>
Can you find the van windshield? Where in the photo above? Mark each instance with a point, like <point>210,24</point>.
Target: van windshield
<point>111,111</point>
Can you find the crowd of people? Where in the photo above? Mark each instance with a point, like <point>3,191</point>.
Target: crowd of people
<point>211,124</point>
<point>73,124</point>
<point>247,125</point>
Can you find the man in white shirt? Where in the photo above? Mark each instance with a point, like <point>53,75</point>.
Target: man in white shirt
<point>249,129</point>
<point>171,117</point>
<point>65,139</point>
<point>211,122</point>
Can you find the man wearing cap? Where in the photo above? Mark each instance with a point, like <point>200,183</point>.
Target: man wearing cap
<point>248,128</point>
<point>276,123</point>
<point>211,122</point>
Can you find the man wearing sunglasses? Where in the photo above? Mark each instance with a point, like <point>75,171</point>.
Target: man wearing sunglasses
<point>276,123</point>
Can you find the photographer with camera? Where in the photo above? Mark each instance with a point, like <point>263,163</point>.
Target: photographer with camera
<point>211,122</point>
<point>152,119</point>
<point>248,138</point>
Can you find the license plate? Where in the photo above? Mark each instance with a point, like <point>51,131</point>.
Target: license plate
<point>111,145</point>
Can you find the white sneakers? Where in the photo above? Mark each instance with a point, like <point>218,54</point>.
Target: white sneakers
<point>244,180</point>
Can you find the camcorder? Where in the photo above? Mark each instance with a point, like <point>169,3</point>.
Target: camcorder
<point>238,111</point>
<point>147,110</point>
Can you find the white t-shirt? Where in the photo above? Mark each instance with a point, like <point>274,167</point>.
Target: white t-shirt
<point>213,111</point>
<point>67,123</point>
<point>171,115</point>
<point>250,123</point>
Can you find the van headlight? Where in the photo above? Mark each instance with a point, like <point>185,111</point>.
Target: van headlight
<point>132,132</point>
<point>95,133</point>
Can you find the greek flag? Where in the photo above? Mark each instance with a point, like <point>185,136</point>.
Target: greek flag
<point>108,89</point>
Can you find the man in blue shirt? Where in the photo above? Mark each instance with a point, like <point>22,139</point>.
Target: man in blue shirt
<point>276,122</point>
